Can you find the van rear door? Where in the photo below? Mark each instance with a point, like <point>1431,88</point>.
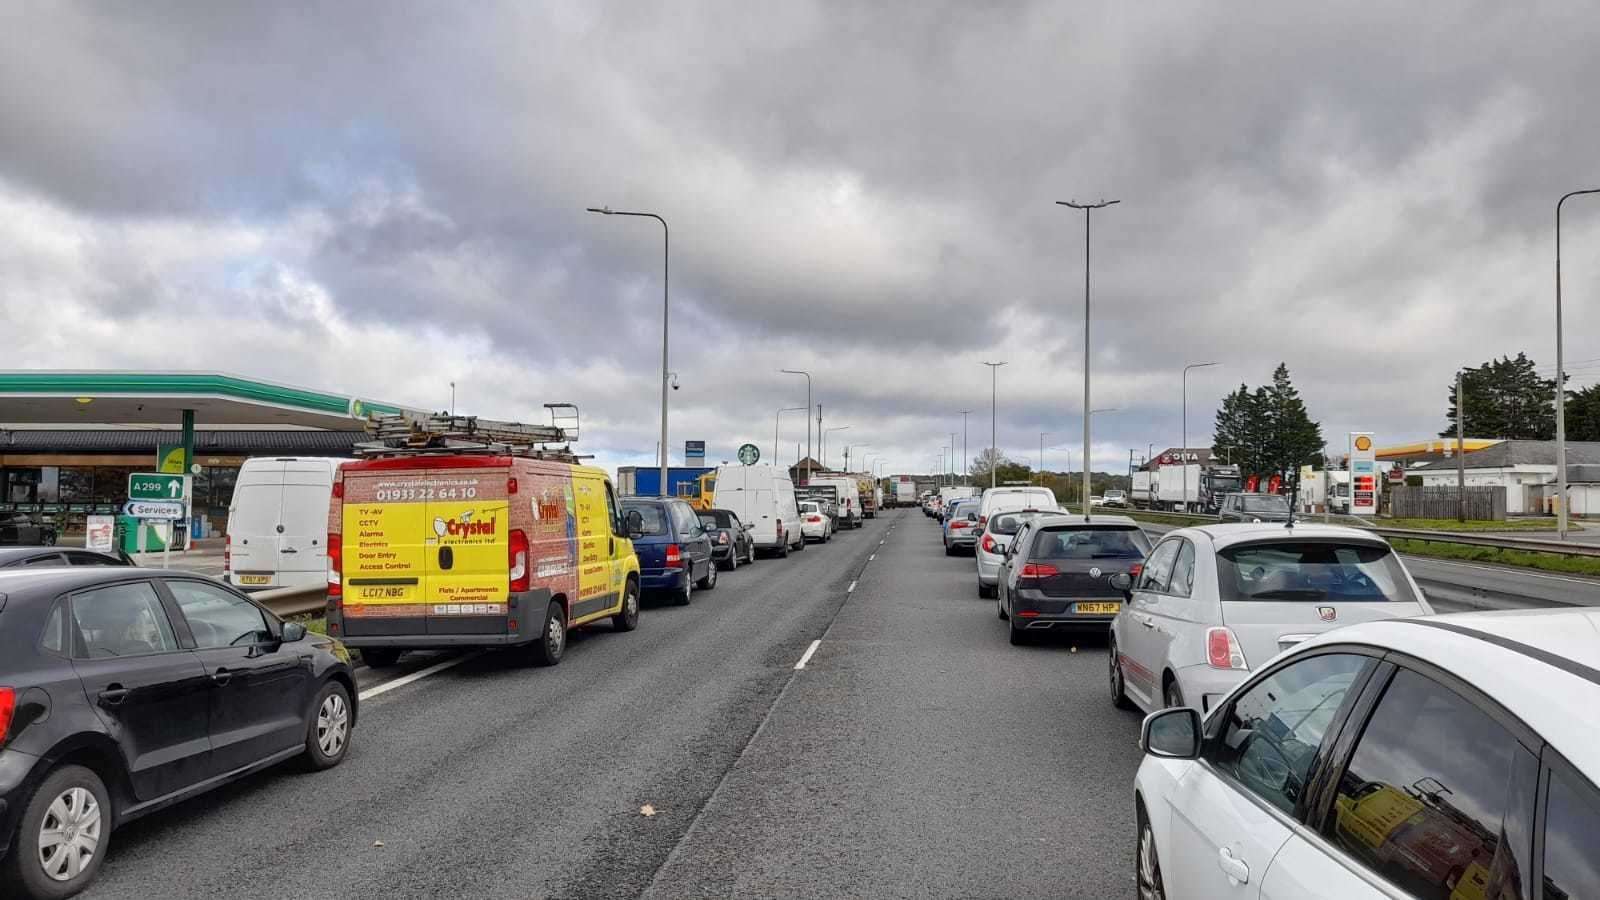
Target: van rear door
<point>302,524</point>
<point>253,519</point>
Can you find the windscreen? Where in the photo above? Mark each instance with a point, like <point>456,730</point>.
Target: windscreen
<point>1007,524</point>
<point>1267,503</point>
<point>1090,542</point>
<point>809,508</point>
<point>654,520</point>
<point>1312,571</point>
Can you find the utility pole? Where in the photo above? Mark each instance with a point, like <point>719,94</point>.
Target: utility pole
<point>822,445</point>
<point>1461,463</point>
<point>966,461</point>
<point>1042,435</point>
<point>808,416</point>
<point>994,405</point>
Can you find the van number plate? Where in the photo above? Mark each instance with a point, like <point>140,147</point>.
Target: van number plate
<point>384,592</point>
<point>254,579</point>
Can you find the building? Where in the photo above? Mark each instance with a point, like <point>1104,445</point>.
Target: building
<point>1526,469</point>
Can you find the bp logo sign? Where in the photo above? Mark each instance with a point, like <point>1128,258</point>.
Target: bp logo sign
<point>749,454</point>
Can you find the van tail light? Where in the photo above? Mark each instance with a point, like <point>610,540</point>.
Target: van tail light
<point>674,556</point>
<point>1222,649</point>
<point>989,546</point>
<point>8,705</point>
<point>338,489</point>
<point>982,521</point>
<point>335,566</point>
<point>227,556</point>
<point>1038,570</point>
<point>517,553</point>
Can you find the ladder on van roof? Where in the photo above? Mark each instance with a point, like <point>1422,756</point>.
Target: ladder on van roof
<point>401,433</point>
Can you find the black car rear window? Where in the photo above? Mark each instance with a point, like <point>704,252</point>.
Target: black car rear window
<point>653,521</point>
<point>1090,542</point>
<point>1311,571</point>
<point>721,517</point>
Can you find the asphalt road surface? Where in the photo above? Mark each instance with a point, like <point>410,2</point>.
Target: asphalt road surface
<point>917,754</point>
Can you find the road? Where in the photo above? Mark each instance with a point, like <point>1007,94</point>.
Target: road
<point>916,754</point>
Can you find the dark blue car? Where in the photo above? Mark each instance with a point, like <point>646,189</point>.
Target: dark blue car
<point>673,545</point>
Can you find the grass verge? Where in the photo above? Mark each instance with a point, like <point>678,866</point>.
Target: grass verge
<point>1142,515</point>
<point>1526,559</point>
<point>314,622</point>
<point>1453,525</point>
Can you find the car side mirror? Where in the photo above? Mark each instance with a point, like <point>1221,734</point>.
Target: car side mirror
<point>1123,582</point>
<point>1172,733</point>
<point>635,524</point>
<point>293,631</point>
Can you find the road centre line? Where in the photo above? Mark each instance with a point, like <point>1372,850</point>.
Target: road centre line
<point>872,557</point>
<point>851,589</point>
<point>806,657</point>
<point>418,675</point>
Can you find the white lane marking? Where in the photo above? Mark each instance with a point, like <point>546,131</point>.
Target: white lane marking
<point>1503,571</point>
<point>872,557</point>
<point>806,657</point>
<point>880,543</point>
<point>851,589</point>
<point>418,675</point>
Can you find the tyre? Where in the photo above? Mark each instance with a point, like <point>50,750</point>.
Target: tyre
<point>682,597</point>
<point>62,836</point>
<point>750,554</point>
<point>328,732</point>
<point>800,547</point>
<point>729,564</point>
<point>1119,688</point>
<point>628,618</point>
<point>783,550</point>
<point>552,642</point>
<point>949,550</point>
<point>1171,694</point>
<point>986,591</point>
<point>1017,635</point>
<point>1147,867</point>
<point>709,582</point>
<point>48,538</point>
<point>381,657</point>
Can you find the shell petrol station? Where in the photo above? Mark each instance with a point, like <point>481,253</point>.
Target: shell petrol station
<point>69,440</point>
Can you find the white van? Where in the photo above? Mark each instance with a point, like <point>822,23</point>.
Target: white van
<point>762,496</point>
<point>1010,499</point>
<point>278,522</point>
<point>849,497</point>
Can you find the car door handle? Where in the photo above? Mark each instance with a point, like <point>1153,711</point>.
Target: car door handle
<point>113,695</point>
<point>221,677</point>
<point>1147,621</point>
<point>288,550</point>
<point>1232,866</point>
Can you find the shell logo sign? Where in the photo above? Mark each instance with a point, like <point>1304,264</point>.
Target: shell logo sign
<point>1363,442</point>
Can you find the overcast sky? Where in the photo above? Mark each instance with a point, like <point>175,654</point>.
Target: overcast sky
<point>380,198</point>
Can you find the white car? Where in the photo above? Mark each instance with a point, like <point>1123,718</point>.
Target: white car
<point>1444,756</point>
<point>990,551</point>
<point>815,525</point>
<point>1214,602</point>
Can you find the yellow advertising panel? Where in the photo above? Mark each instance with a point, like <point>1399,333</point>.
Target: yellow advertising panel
<point>383,552</point>
<point>466,554</point>
<point>594,538</point>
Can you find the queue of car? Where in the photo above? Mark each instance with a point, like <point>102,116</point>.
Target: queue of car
<point>124,690</point>
<point>1312,728</point>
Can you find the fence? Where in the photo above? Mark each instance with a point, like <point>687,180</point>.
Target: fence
<point>1483,503</point>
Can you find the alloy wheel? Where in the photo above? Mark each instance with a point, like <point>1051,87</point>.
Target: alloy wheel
<point>1150,886</point>
<point>555,636</point>
<point>69,836</point>
<point>333,725</point>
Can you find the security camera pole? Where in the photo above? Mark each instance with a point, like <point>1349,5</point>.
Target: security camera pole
<point>666,240</point>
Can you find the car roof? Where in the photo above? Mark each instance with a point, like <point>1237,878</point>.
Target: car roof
<point>1523,659</point>
<point>54,580</point>
<point>1057,520</point>
<point>1227,534</point>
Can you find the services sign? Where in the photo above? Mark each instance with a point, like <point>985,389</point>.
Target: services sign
<point>155,509</point>
<point>1363,475</point>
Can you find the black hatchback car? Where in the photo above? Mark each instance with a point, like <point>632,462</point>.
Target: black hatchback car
<point>125,690</point>
<point>1057,573</point>
<point>731,542</point>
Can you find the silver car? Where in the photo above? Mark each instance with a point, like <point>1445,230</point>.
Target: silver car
<point>1211,603</point>
<point>990,551</point>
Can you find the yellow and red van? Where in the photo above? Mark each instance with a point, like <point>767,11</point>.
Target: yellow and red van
<point>475,550</point>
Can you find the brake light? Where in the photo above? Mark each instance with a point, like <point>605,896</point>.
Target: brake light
<point>674,556</point>
<point>989,546</point>
<point>338,489</point>
<point>335,566</point>
<point>1038,570</point>
<point>8,705</point>
<point>722,538</point>
<point>511,485</point>
<point>982,521</point>
<point>517,560</point>
<point>960,523</point>
<point>1222,649</point>
<point>227,556</point>
<point>813,519</point>
<point>1136,569</point>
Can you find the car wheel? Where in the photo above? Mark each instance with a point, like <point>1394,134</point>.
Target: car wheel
<point>783,550</point>
<point>986,591</point>
<point>710,581</point>
<point>750,554</point>
<point>1017,635</point>
<point>1119,692</point>
<point>552,642</point>
<point>628,618</point>
<point>381,657</point>
<point>1171,694</point>
<point>48,538</point>
<point>1147,867</point>
<point>948,550</point>
<point>683,596</point>
<point>62,836</point>
<point>328,732</point>
<point>727,565</point>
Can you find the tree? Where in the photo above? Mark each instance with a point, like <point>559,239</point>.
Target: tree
<point>1267,431</point>
<point>1583,414</point>
<point>1229,440</point>
<point>1005,469</point>
<point>1505,398</point>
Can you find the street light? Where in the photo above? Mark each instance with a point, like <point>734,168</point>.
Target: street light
<point>994,405</point>
<point>847,449</point>
<point>808,414</point>
<point>778,415</point>
<point>1561,384</point>
<point>666,242</point>
<point>1088,209</point>
<point>825,434</point>
<point>1042,436</point>
<point>966,461</point>
<point>1183,449</point>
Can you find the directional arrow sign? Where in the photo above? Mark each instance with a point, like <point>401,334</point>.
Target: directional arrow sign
<point>154,509</point>
<point>157,486</point>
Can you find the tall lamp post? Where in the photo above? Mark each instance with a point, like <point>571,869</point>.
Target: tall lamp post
<point>775,419</point>
<point>1561,384</point>
<point>1088,210</point>
<point>666,242</point>
<point>1183,448</point>
<point>1087,506</point>
<point>1042,436</point>
<point>808,414</point>
<point>994,431</point>
<point>966,461</point>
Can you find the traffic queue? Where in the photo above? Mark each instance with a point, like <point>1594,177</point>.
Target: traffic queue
<point>125,690</point>
<point>1312,728</point>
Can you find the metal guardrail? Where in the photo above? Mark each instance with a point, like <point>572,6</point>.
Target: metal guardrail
<point>295,601</point>
<point>1498,542</point>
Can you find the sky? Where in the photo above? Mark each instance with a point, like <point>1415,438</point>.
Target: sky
<point>381,198</point>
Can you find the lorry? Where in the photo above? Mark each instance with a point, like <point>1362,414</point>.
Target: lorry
<point>645,481</point>
<point>849,494</point>
<point>1177,487</point>
<point>1216,481</point>
<point>1143,494</point>
<point>905,492</point>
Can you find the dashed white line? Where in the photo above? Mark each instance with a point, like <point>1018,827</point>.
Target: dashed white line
<point>806,657</point>
<point>872,557</point>
<point>851,589</point>
<point>418,675</point>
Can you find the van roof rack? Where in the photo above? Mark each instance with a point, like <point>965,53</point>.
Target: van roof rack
<point>413,433</point>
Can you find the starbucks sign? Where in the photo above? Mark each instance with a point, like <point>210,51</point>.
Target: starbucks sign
<point>749,454</point>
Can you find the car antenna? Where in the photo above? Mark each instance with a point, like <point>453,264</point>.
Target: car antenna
<point>1294,498</point>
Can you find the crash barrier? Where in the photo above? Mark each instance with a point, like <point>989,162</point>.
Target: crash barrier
<point>294,601</point>
<point>1499,542</point>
